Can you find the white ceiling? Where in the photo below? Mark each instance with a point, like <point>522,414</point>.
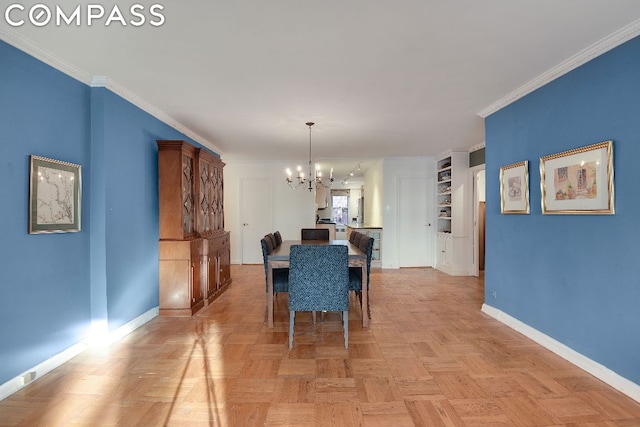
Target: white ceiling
<point>379,78</point>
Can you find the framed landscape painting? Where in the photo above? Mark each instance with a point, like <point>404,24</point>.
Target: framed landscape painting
<point>514,188</point>
<point>54,200</point>
<point>578,181</point>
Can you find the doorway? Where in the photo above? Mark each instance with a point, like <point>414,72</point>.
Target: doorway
<point>479,209</point>
<point>481,221</point>
<point>414,222</point>
<point>340,212</point>
<point>340,206</point>
<point>255,217</point>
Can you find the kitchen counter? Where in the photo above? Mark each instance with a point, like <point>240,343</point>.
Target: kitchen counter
<point>357,226</point>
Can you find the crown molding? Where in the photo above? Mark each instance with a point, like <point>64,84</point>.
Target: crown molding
<point>477,147</point>
<point>123,92</point>
<point>19,42</point>
<point>616,39</point>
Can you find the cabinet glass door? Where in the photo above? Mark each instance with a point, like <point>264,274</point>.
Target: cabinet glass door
<point>187,195</point>
<point>204,207</point>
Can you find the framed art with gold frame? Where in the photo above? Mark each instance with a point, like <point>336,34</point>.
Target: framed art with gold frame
<point>578,181</point>
<point>514,188</point>
<point>55,193</point>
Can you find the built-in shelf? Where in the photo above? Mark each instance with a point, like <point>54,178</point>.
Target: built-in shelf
<point>451,177</point>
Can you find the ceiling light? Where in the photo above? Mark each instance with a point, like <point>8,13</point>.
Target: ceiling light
<point>346,179</point>
<point>300,180</point>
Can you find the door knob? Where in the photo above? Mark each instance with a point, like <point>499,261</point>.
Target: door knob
<point>245,224</point>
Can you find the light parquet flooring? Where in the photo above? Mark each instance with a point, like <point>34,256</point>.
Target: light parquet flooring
<point>430,358</point>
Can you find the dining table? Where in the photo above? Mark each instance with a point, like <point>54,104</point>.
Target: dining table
<point>279,258</point>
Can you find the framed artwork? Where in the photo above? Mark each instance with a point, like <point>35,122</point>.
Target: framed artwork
<point>54,200</point>
<point>514,188</point>
<point>578,181</point>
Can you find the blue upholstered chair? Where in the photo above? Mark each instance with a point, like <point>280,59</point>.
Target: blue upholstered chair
<point>314,234</point>
<point>319,281</point>
<point>280,275</point>
<point>355,273</point>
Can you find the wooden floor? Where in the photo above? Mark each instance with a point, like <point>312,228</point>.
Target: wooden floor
<point>430,358</point>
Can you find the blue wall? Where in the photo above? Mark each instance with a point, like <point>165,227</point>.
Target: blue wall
<point>130,162</point>
<point>44,294</point>
<point>54,286</point>
<point>572,277</point>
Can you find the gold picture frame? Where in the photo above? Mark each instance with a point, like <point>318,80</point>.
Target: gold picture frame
<point>578,181</point>
<point>55,196</point>
<point>514,188</point>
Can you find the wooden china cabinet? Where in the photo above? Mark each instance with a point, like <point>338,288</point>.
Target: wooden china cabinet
<point>194,250</point>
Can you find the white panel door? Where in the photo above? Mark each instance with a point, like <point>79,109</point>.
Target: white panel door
<point>415,230</point>
<point>255,217</point>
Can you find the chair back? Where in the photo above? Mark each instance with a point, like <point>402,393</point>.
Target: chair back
<point>356,239</point>
<point>280,275</point>
<point>319,278</point>
<point>271,239</point>
<point>269,243</point>
<point>265,253</point>
<point>366,246</point>
<point>278,237</point>
<point>314,234</point>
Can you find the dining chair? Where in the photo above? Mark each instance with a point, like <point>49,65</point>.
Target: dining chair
<point>278,237</point>
<point>358,236</point>
<point>269,244</point>
<point>274,241</point>
<point>280,275</point>
<point>319,281</point>
<point>355,273</point>
<point>314,234</point>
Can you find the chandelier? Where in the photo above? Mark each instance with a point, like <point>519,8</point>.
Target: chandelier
<point>300,181</point>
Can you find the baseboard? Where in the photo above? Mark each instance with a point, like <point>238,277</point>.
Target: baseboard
<point>451,271</point>
<point>15,384</point>
<point>132,325</point>
<point>599,371</point>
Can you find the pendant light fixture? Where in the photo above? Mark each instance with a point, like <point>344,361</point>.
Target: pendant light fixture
<point>300,181</point>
